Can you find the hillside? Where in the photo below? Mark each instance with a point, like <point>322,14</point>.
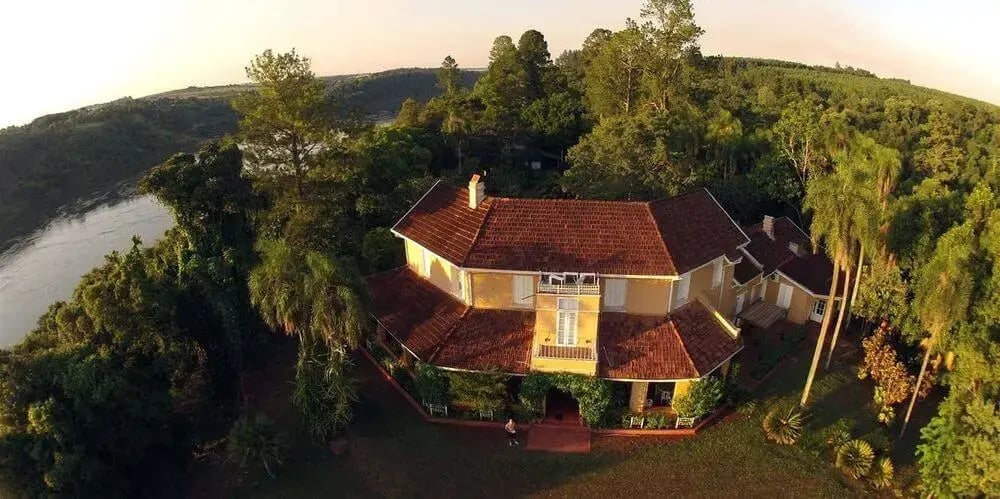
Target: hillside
<point>62,157</point>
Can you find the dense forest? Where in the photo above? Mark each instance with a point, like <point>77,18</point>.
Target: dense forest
<point>896,183</point>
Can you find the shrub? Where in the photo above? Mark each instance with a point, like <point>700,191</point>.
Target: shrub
<point>432,384</point>
<point>534,387</point>
<point>855,458</point>
<point>323,391</point>
<point>881,474</point>
<point>482,391</point>
<point>783,427</point>
<point>255,440</point>
<point>702,398</point>
<point>747,408</point>
<point>594,395</point>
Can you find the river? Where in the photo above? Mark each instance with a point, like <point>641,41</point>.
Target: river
<point>44,267</point>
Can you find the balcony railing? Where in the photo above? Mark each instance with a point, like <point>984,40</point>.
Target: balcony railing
<point>566,352</point>
<point>570,288</point>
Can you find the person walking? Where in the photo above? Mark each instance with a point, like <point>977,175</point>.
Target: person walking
<point>511,429</point>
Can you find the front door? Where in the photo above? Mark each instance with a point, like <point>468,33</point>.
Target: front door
<point>818,309</point>
<point>785,296</point>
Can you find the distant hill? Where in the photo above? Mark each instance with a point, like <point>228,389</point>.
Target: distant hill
<point>62,157</point>
<point>374,94</point>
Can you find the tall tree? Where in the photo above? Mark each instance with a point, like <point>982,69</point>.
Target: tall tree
<point>673,37</point>
<point>797,135</point>
<point>826,197</point>
<point>449,77</point>
<point>501,89</point>
<point>942,295</point>
<point>536,62</point>
<point>284,127</point>
<point>614,74</point>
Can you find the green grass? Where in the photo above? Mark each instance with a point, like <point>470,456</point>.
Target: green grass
<point>393,453</point>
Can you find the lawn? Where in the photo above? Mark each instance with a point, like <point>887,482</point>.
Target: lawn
<point>393,452</point>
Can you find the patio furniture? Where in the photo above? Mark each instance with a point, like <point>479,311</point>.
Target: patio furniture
<point>441,409</point>
<point>647,404</point>
<point>665,397</point>
<point>486,414</point>
<point>685,422</point>
<point>636,422</point>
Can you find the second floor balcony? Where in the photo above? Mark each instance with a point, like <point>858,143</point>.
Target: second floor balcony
<point>569,283</point>
<point>566,352</point>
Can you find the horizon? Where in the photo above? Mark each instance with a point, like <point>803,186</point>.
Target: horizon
<point>187,47</point>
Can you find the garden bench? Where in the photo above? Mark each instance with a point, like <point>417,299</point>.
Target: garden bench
<point>486,414</point>
<point>437,408</point>
<point>636,422</point>
<point>685,422</point>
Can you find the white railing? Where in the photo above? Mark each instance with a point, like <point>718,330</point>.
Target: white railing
<point>569,288</point>
<point>566,352</point>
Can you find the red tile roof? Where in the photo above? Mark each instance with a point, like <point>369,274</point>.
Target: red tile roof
<point>688,343</point>
<point>664,237</point>
<point>415,311</point>
<point>813,271</point>
<point>771,253</point>
<point>489,339</point>
<point>440,330</point>
<point>443,222</point>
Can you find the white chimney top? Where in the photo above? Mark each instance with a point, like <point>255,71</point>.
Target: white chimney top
<point>769,226</point>
<point>477,191</point>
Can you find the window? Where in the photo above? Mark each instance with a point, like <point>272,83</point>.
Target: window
<point>717,273</point>
<point>523,292</point>
<point>614,293</point>
<point>566,318</point>
<point>681,290</point>
<point>819,308</point>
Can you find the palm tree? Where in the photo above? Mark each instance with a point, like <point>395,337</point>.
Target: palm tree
<point>309,294</point>
<point>854,167</point>
<point>827,196</point>
<point>943,294</point>
<point>885,165</point>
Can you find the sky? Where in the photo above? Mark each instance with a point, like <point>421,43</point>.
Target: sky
<point>64,54</point>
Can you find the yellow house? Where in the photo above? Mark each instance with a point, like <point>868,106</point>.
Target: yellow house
<point>780,277</point>
<point>634,292</point>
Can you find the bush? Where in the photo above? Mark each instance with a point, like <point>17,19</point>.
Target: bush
<point>256,440</point>
<point>702,398</point>
<point>482,391</point>
<point>431,384</point>
<point>855,458</point>
<point>323,391</point>
<point>783,427</point>
<point>882,473</point>
<point>534,387</point>
<point>594,395</point>
<point>381,250</point>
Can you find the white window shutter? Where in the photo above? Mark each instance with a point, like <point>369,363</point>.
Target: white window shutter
<point>523,290</point>
<point>681,290</point>
<point>614,292</point>
<point>717,273</point>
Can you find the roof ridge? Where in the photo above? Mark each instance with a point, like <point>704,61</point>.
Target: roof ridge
<point>680,338</point>
<point>488,204</point>
<point>656,227</point>
<point>433,356</point>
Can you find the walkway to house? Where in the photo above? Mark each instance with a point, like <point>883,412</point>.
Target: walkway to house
<point>558,438</point>
<point>762,314</point>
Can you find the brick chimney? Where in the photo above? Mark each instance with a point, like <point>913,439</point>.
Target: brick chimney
<point>769,226</point>
<point>477,191</point>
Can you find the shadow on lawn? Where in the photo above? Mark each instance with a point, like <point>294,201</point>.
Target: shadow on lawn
<point>392,451</point>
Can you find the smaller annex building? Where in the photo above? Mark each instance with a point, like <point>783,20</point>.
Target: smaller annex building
<point>642,293</point>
